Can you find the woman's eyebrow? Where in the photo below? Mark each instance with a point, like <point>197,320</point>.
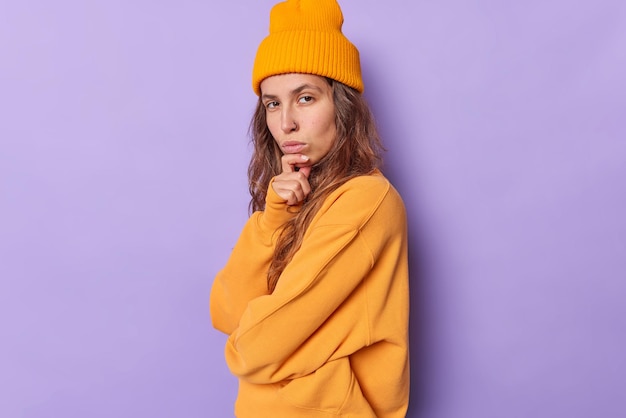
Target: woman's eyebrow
<point>293,92</point>
<point>268,97</point>
<point>305,87</point>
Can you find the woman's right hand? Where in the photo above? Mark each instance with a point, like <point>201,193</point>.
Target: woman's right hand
<point>293,183</point>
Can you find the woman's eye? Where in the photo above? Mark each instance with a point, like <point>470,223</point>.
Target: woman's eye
<point>271,105</point>
<point>305,99</point>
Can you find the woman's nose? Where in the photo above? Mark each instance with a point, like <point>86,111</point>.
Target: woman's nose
<point>288,121</point>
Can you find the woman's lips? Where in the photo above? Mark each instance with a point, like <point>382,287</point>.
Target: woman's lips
<point>292,147</point>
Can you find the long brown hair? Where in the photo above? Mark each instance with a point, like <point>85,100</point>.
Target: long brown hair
<point>356,151</point>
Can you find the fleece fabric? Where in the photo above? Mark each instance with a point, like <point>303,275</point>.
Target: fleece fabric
<point>332,339</point>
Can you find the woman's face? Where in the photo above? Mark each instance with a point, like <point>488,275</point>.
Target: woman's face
<point>300,114</point>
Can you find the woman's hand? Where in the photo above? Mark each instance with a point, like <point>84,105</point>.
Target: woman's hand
<point>293,183</point>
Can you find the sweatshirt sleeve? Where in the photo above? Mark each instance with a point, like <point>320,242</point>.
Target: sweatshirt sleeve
<point>289,333</point>
<point>244,277</point>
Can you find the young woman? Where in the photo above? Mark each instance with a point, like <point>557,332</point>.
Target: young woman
<point>314,296</point>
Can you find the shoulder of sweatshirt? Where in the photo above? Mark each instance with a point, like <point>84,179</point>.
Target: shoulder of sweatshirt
<point>360,199</point>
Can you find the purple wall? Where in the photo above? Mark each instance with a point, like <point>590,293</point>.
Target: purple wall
<point>123,152</point>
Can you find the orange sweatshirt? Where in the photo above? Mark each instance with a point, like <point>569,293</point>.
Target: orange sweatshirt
<point>332,339</point>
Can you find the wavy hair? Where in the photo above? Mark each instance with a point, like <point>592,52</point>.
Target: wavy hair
<point>357,151</point>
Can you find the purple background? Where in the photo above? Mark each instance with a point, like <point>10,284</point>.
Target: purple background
<point>122,189</point>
